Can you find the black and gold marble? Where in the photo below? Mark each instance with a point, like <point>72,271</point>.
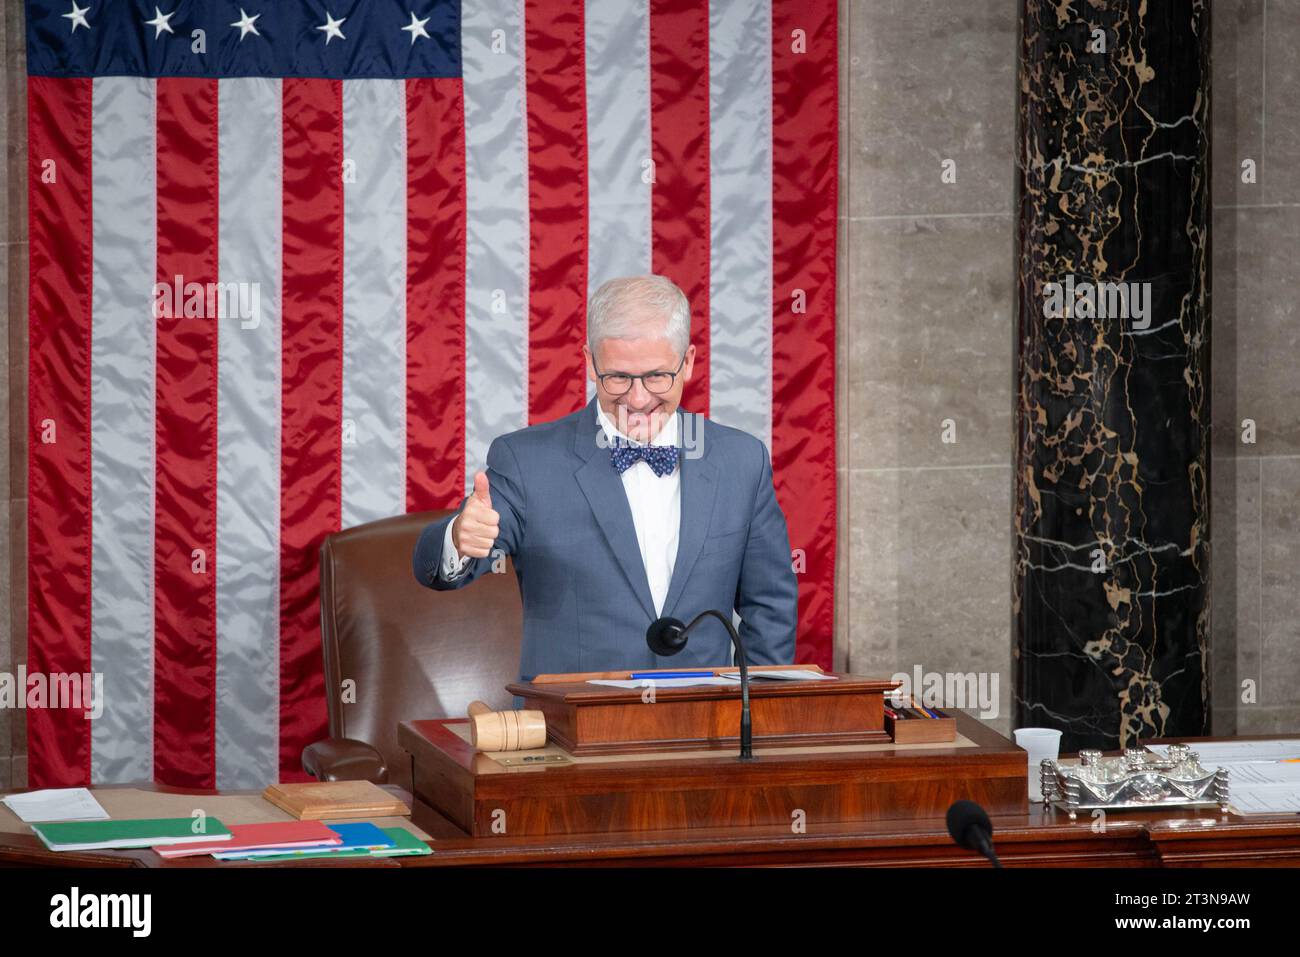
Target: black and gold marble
<point>1111,550</point>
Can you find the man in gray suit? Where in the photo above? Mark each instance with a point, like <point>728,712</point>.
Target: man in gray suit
<point>628,510</point>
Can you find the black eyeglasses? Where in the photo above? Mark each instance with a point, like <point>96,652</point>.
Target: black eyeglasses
<point>619,383</point>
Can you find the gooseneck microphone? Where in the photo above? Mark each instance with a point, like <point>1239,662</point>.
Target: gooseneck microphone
<point>970,827</point>
<point>667,636</point>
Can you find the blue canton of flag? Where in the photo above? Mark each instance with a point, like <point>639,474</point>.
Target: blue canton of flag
<point>326,39</point>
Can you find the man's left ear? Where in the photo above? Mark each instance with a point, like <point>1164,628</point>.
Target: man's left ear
<point>690,363</point>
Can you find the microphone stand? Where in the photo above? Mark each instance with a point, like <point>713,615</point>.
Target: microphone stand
<point>670,637</point>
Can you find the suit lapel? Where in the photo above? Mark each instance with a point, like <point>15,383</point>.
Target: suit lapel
<point>699,491</point>
<point>603,487</point>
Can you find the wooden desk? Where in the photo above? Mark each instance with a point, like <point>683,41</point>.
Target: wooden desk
<point>1035,838</point>
<point>1031,837</point>
<point>486,795</point>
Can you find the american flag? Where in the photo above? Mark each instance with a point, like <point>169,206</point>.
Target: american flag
<point>295,264</point>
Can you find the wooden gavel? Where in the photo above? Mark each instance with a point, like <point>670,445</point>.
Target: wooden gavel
<point>505,730</point>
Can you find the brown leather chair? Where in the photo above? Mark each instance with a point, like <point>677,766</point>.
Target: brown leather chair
<point>410,652</point>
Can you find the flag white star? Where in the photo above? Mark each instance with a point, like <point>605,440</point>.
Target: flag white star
<point>416,28</point>
<point>331,28</point>
<point>77,16</point>
<point>159,22</point>
<point>245,24</point>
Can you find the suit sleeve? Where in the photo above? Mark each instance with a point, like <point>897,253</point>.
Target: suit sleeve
<point>505,485</point>
<point>767,597</point>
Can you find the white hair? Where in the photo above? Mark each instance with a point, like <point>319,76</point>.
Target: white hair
<point>608,312</point>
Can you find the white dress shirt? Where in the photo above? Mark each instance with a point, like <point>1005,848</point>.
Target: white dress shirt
<point>656,504</point>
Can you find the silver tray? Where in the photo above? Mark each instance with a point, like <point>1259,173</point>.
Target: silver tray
<point>1137,779</point>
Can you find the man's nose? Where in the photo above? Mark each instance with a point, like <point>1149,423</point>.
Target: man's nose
<point>639,395</point>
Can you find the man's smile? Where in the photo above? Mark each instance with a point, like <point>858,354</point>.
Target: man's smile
<point>639,420</point>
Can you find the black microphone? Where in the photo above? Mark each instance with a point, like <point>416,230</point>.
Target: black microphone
<point>667,636</point>
<point>970,827</point>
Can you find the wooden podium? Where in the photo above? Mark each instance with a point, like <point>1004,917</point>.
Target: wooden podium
<point>615,762</point>
<point>584,718</point>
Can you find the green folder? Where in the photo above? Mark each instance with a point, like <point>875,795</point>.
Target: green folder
<point>98,835</point>
<point>407,844</point>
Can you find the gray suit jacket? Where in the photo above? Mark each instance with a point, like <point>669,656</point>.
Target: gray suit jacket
<point>565,520</point>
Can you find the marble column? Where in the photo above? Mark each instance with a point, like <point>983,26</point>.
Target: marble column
<point>1111,551</point>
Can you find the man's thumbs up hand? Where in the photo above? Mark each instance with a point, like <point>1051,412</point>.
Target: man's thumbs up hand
<point>481,490</point>
<point>477,526</point>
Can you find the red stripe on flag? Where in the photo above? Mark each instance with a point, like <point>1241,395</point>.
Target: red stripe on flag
<point>435,294</point>
<point>311,401</point>
<point>58,408</point>
<point>804,171</point>
<point>556,74</point>
<point>185,628</point>
<point>679,132</point>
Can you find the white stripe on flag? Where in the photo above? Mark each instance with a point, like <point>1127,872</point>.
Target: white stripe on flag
<point>618,142</point>
<point>123,341</point>
<point>250,165</point>
<point>740,154</point>
<point>373,476</point>
<point>496,248</point>
<point>618,139</point>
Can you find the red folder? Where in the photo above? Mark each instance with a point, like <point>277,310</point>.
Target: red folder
<point>287,834</point>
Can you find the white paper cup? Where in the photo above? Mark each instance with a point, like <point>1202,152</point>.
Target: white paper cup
<point>1040,743</point>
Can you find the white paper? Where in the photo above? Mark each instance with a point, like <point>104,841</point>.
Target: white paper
<point>1261,777</point>
<point>780,675</point>
<point>1263,772</point>
<point>1265,799</point>
<point>56,804</point>
<point>1232,752</point>
<point>657,682</point>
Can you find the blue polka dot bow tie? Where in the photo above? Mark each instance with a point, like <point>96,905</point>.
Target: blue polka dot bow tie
<point>662,459</point>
